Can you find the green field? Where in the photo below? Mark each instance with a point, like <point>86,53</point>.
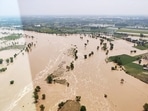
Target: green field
<point>123,59</point>
<point>133,30</point>
<point>141,47</point>
<point>13,47</point>
<point>11,37</point>
<point>131,68</point>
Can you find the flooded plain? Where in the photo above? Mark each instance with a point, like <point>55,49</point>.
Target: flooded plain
<point>91,78</point>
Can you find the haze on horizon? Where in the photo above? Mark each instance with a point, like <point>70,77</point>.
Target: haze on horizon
<point>73,7</point>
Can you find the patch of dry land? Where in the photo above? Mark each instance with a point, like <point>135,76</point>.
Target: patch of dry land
<point>52,68</point>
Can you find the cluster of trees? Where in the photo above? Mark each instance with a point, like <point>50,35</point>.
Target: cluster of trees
<point>29,47</point>
<point>104,47</point>
<point>101,41</point>
<point>3,69</point>
<point>36,96</point>
<point>75,54</point>
<point>114,68</point>
<point>70,67</point>
<point>60,105</point>
<point>8,60</point>
<point>133,51</point>
<point>111,46</point>
<point>91,53</point>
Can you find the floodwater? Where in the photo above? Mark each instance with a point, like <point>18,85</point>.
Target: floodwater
<point>90,79</point>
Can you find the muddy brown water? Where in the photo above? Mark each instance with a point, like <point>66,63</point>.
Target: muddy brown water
<point>90,79</point>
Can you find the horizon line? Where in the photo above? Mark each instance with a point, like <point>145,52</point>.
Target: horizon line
<point>76,15</point>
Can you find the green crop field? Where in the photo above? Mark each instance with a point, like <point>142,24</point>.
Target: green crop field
<point>131,68</point>
<point>133,30</point>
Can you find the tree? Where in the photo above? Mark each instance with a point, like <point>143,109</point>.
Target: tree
<point>107,52</point>
<point>12,82</point>
<point>1,61</point>
<point>105,95</point>
<point>111,46</point>
<point>83,108</point>
<point>49,79</point>
<point>112,68</point>
<point>36,97</point>
<point>101,41</point>
<point>145,106</point>
<point>71,65</point>
<point>7,60</point>
<point>43,96</point>
<point>37,89</point>
<point>140,61</point>
<point>15,55</point>
<point>3,69</point>
<point>11,59</point>
<point>85,56</point>
<point>97,47</point>
<point>122,81</point>
<point>61,105</point>
<point>42,107</point>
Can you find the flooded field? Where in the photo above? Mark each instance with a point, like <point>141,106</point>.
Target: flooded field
<point>91,78</point>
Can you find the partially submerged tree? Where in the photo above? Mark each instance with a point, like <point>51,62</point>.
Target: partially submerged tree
<point>85,56</point>
<point>71,66</point>
<point>1,61</point>
<point>83,108</point>
<point>49,79</point>
<point>7,61</point>
<point>12,82</point>
<point>42,107</point>
<point>145,106</point>
<point>43,96</point>
<point>11,59</point>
